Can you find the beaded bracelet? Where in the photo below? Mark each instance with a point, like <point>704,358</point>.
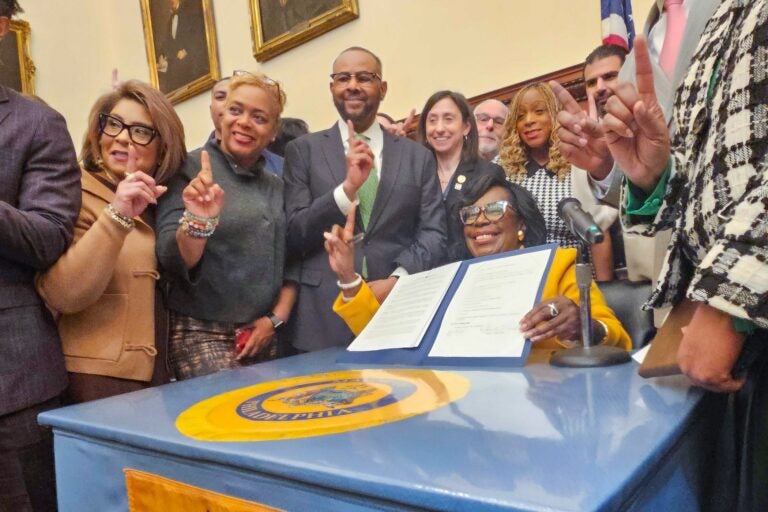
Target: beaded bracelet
<point>198,227</point>
<point>124,221</point>
<point>203,222</point>
<point>351,285</point>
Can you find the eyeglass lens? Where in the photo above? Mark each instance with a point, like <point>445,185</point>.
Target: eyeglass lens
<point>361,77</point>
<point>493,212</point>
<point>484,118</point>
<point>112,126</point>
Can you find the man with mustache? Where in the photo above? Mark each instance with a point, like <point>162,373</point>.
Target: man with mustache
<point>601,69</point>
<point>490,117</point>
<point>395,182</point>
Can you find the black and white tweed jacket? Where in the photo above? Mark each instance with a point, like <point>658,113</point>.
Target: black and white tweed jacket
<point>717,198</point>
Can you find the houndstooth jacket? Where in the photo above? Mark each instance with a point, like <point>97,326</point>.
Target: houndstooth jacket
<point>717,199</point>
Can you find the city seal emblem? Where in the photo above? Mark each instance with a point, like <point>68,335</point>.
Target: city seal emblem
<point>319,404</point>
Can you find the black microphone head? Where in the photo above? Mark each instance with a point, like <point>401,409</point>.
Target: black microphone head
<point>580,223</point>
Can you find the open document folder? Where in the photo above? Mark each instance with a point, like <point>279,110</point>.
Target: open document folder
<point>465,313</point>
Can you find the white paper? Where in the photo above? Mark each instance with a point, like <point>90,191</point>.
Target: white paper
<point>639,356</point>
<point>483,316</point>
<point>403,318</point>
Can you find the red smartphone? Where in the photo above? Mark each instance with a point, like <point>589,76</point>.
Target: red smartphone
<point>242,336</point>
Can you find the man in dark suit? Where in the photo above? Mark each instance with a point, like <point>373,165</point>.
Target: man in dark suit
<point>393,178</point>
<point>183,54</point>
<point>39,202</point>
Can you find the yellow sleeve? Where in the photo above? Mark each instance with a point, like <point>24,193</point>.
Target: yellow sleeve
<point>561,280</point>
<point>357,312</point>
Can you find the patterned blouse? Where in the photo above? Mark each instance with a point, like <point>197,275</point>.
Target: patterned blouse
<point>716,201</point>
<point>548,190</point>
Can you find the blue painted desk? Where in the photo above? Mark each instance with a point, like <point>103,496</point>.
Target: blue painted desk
<point>533,438</point>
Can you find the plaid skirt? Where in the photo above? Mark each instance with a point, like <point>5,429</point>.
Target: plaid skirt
<point>200,347</point>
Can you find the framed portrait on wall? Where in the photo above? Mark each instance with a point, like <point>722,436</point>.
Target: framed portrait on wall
<point>16,68</point>
<point>181,46</point>
<point>279,25</point>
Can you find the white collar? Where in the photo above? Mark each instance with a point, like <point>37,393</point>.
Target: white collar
<point>374,134</point>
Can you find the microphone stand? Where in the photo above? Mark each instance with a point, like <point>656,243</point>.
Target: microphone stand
<point>589,355</point>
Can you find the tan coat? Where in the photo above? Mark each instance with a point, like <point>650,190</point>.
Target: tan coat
<point>104,288</point>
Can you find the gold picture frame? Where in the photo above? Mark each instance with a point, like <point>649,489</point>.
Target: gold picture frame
<point>17,70</point>
<point>188,37</point>
<point>279,25</point>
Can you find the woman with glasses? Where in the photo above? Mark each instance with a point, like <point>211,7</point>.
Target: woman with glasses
<point>531,157</point>
<point>224,260</point>
<point>447,128</point>
<point>497,216</point>
<point>112,322</point>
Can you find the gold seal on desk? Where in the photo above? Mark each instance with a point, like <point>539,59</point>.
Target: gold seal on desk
<point>319,404</point>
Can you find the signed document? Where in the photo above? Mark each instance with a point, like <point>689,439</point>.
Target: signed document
<point>403,318</point>
<point>482,318</point>
<point>463,314</point>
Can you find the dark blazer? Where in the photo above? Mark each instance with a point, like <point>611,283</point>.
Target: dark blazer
<point>407,227</point>
<point>467,173</point>
<point>39,202</point>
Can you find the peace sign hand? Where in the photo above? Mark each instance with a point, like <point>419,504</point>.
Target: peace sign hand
<point>634,124</point>
<point>203,197</point>
<point>581,137</point>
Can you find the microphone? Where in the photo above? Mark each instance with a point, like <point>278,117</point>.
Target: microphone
<point>581,224</point>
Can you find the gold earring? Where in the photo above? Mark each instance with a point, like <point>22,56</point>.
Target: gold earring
<point>520,234</point>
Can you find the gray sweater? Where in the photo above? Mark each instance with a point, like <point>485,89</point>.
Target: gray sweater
<point>241,271</point>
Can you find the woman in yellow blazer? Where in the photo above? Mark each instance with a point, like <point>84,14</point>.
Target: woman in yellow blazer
<point>104,286</point>
<point>498,217</point>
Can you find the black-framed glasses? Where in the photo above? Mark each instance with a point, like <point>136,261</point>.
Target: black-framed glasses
<point>492,211</point>
<point>361,77</point>
<point>260,77</point>
<point>138,133</point>
<point>484,118</point>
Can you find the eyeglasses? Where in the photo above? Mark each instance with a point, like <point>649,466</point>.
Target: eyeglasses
<point>260,77</point>
<point>492,211</point>
<point>484,118</point>
<point>138,133</point>
<point>361,77</point>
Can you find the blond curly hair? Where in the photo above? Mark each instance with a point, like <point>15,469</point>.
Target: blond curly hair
<point>513,153</point>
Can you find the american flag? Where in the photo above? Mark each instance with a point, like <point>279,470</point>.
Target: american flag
<point>618,23</point>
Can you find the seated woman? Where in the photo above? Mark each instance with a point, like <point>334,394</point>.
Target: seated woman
<point>112,323</point>
<point>498,216</point>
<point>226,285</point>
<point>448,129</point>
<point>531,157</point>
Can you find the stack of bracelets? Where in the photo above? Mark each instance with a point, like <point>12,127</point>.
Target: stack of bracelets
<point>198,227</point>
<point>124,221</point>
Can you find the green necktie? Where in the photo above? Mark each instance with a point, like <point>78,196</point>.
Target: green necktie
<point>366,194</point>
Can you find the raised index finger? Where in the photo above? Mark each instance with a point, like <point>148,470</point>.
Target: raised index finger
<point>205,174</point>
<point>352,133</point>
<point>569,104</point>
<point>131,165</point>
<point>349,227</point>
<point>409,119</point>
<point>644,72</point>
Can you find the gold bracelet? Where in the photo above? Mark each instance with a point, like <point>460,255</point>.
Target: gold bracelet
<point>605,329</point>
<point>126,222</point>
